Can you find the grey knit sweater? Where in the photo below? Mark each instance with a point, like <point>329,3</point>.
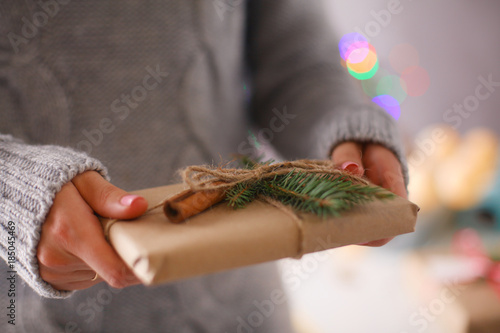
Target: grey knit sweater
<point>144,88</point>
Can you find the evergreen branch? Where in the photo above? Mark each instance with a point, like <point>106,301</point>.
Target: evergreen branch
<point>324,195</point>
<point>241,195</point>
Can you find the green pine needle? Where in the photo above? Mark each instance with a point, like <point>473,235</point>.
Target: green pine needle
<point>324,195</point>
<point>241,195</point>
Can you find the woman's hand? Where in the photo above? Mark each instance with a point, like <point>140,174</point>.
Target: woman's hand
<point>377,163</point>
<point>72,247</point>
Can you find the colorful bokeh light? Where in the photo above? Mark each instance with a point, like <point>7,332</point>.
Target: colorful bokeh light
<point>362,60</point>
<point>359,56</point>
<point>350,42</point>
<point>416,80</point>
<point>366,75</point>
<point>389,104</point>
<point>388,91</point>
<point>370,86</point>
<point>392,85</point>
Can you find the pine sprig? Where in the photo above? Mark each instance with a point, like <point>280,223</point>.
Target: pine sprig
<point>324,195</point>
<point>241,195</point>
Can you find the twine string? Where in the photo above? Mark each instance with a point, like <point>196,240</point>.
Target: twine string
<point>204,177</point>
<point>110,223</point>
<point>297,220</point>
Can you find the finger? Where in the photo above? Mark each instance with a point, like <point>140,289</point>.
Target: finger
<point>384,169</point>
<point>103,259</point>
<point>62,281</point>
<point>57,261</point>
<point>108,200</point>
<point>59,232</point>
<point>347,156</point>
<point>378,243</point>
<point>72,239</point>
<point>77,285</point>
<point>393,180</point>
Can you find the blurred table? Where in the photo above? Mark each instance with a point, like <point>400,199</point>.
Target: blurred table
<point>357,289</point>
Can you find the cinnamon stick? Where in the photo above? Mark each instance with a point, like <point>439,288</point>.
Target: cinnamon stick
<point>189,203</point>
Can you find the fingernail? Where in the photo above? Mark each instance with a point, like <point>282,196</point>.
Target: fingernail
<point>128,199</point>
<point>350,166</point>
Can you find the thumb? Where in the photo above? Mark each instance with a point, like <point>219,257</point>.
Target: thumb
<point>106,199</point>
<point>384,169</point>
<point>347,156</point>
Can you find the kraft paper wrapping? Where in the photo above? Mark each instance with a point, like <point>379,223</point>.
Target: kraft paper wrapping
<point>222,238</point>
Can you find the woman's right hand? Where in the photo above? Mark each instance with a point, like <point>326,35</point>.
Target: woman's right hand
<point>72,247</point>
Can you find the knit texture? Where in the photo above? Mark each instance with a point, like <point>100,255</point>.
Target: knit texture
<point>30,177</point>
<point>361,123</point>
<point>147,87</point>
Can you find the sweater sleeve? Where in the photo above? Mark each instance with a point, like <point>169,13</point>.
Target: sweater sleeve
<point>30,177</point>
<point>298,82</point>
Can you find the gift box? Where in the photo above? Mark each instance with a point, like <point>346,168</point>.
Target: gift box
<point>223,238</point>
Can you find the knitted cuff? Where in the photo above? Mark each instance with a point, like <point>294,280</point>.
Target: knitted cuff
<point>362,123</point>
<point>30,177</point>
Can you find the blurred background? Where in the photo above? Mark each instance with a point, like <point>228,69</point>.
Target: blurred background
<point>438,75</point>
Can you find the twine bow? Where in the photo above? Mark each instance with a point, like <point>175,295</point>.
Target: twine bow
<point>203,177</point>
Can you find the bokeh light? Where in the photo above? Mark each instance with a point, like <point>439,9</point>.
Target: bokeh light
<point>362,60</point>
<point>366,75</point>
<point>358,56</point>
<point>351,42</point>
<point>415,80</point>
<point>385,83</point>
<point>392,85</point>
<point>370,86</point>
<point>387,90</point>
<point>389,104</point>
<point>357,52</point>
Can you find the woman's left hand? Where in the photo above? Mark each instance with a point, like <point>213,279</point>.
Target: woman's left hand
<point>377,163</point>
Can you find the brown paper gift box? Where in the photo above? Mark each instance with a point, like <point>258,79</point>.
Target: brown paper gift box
<point>222,238</point>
